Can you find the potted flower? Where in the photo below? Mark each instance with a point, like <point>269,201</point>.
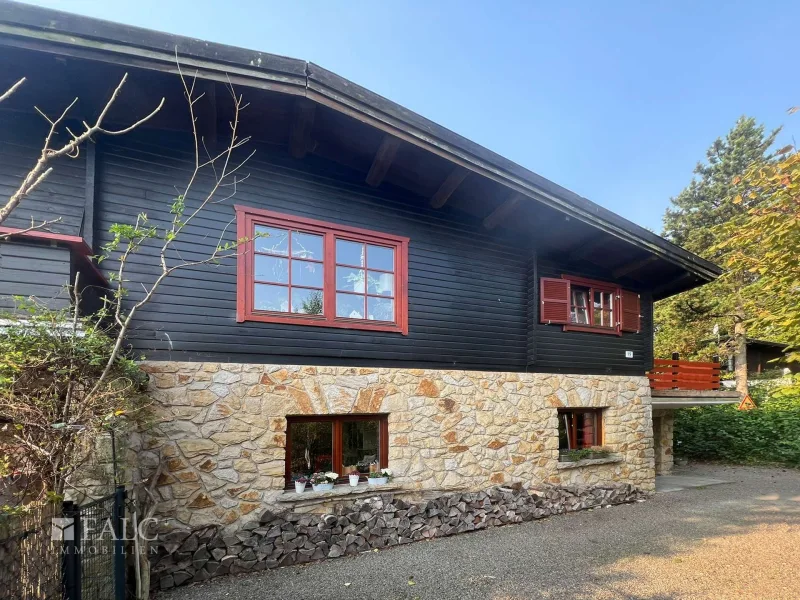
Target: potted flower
<point>300,482</point>
<point>323,482</point>
<point>354,474</point>
<point>380,477</point>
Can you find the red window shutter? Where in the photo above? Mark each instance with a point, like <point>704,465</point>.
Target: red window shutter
<point>554,296</point>
<point>631,311</point>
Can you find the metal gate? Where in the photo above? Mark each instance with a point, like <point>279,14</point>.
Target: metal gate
<point>94,555</point>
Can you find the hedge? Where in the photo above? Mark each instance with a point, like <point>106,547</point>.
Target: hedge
<point>767,434</point>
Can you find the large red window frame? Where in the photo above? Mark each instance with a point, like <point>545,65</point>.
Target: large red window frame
<point>248,218</point>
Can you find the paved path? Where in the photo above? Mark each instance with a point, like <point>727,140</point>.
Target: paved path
<point>678,483</point>
<point>736,541</point>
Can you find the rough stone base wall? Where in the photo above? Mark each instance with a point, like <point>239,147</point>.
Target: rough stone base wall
<point>380,521</point>
<point>220,435</point>
<point>663,433</point>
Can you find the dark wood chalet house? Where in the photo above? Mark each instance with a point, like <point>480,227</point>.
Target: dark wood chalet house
<point>407,300</point>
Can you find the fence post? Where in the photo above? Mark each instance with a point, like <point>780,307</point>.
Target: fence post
<point>675,367</point>
<point>71,557</point>
<point>119,543</point>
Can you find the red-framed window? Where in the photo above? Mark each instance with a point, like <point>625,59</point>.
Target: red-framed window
<point>581,304</point>
<point>580,428</point>
<point>339,443</point>
<point>309,272</point>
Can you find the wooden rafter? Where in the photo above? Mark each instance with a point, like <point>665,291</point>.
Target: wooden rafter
<point>633,266</point>
<point>449,185</point>
<point>383,160</point>
<point>499,214</point>
<point>303,113</point>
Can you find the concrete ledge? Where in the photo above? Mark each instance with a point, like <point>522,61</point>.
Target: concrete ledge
<point>588,462</point>
<point>339,491</point>
<point>686,398</point>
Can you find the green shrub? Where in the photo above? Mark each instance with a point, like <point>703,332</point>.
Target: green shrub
<point>768,434</point>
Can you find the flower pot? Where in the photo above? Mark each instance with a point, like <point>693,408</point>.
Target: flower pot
<point>354,480</point>
<point>322,487</point>
<point>299,486</point>
<point>378,480</point>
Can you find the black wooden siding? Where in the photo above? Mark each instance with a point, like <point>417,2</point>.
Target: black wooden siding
<point>562,351</point>
<point>33,270</point>
<point>61,194</point>
<point>467,289</point>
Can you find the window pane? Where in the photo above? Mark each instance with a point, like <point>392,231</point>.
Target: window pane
<point>608,300</point>
<point>270,268</point>
<point>598,300</point>
<point>379,257</point>
<point>350,253</point>
<point>307,302</point>
<point>350,306</point>
<point>307,273</point>
<point>350,280</point>
<point>360,444</point>
<point>380,309</point>
<point>586,429</point>
<point>579,313</point>
<point>597,317</point>
<point>312,447</point>
<point>271,297</point>
<point>274,240</point>
<point>381,284</point>
<point>306,245</point>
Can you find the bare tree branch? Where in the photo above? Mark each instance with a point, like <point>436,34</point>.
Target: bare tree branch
<point>10,91</point>
<point>71,149</point>
<point>44,225</point>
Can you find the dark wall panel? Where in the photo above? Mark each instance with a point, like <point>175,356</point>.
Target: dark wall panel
<point>467,289</point>
<point>62,194</point>
<point>562,351</point>
<point>33,270</point>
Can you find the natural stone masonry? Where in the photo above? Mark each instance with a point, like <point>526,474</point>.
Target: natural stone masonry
<point>380,521</point>
<point>663,431</point>
<point>221,430</point>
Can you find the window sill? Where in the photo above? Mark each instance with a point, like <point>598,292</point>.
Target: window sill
<point>338,491</point>
<point>590,329</point>
<point>589,462</point>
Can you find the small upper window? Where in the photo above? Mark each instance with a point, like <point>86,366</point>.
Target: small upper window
<point>586,305</point>
<point>296,270</point>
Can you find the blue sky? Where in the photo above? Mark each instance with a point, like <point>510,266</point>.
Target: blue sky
<point>614,100</point>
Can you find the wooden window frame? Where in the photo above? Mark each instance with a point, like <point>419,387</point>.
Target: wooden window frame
<point>336,440</point>
<point>597,412</point>
<point>595,286</point>
<point>247,218</point>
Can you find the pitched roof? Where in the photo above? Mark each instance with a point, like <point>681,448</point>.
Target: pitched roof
<point>55,31</point>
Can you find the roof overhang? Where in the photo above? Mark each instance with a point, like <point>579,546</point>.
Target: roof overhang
<point>673,399</point>
<point>46,30</point>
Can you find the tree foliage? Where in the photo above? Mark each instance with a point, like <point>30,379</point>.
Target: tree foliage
<point>686,323</point>
<point>762,245</point>
<point>49,360</point>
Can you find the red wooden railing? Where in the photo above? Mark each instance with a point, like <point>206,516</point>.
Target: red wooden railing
<point>674,374</point>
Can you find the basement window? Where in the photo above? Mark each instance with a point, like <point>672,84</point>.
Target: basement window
<point>301,271</point>
<point>335,443</point>
<point>579,428</point>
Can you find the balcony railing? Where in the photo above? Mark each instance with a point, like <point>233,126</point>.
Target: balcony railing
<point>675,374</point>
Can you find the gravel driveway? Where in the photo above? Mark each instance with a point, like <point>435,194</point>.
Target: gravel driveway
<point>738,540</point>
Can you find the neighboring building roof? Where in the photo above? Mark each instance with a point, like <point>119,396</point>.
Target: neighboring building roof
<point>47,30</point>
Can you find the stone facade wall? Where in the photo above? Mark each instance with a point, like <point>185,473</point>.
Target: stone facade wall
<point>221,430</point>
<point>663,430</point>
<point>377,522</point>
